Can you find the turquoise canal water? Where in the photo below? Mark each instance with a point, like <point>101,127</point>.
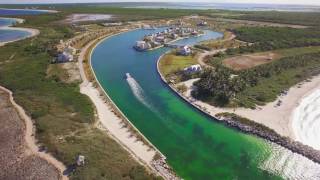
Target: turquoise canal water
<point>197,147</point>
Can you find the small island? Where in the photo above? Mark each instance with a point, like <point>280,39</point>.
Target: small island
<point>166,38</point>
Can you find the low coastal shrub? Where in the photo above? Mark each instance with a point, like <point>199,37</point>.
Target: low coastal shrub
<point>64,118</point>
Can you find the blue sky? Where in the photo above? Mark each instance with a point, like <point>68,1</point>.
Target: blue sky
<point>306,2</point>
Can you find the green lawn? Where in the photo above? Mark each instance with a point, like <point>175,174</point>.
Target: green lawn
<point>171,63</point>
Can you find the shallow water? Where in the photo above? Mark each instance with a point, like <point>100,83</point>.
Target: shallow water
<point>197,147</point>
<point>11,35</point>
<point>16,12</point>
<point>7,22</point>
<point>7,35</point>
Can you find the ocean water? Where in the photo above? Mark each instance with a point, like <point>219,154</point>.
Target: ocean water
<point>306,120</point>
<point>196,146</point>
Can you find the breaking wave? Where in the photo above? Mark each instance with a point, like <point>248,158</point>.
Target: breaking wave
<point>290,165</point>
<point>306,120</point>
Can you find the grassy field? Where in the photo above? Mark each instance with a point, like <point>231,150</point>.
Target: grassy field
<point>64,118</point>
<point>172,63</point>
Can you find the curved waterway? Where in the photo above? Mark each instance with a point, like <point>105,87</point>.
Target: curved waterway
<point>197,147</point>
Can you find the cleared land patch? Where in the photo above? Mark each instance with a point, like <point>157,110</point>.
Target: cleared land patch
<point>250,60</point>
<point>247,61</point>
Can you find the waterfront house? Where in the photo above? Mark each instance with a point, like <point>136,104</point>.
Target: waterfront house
<point>202,23</point>
<point>142,45</point>
<point>160,39</point>
<point>174,36</point>
<point>184,50</point>
<point>193,69</point>
<point>194,33</point>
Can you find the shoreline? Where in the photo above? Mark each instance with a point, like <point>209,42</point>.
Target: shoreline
<point>32,32</point>
<point>298,125</point>
<point>25,9</point>
<point>278,118</point>
<point>113,120</point>
<point>30,137</point>
<point>248,126</point>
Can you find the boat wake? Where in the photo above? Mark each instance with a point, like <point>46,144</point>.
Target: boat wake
<point>138,91</point>
<point>306,120</point>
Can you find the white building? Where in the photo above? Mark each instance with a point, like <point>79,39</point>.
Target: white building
<point>64,57</point>
<point>142,45</point>
<point>80,160</point>
<point>184,50</point>
<point>193,68</point>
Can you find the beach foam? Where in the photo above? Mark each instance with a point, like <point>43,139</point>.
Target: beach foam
<point>290,165</point>
<point>306,120</point>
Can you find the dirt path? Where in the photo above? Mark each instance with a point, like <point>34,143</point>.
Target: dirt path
<point>30,138</point>
<point>203,55</point>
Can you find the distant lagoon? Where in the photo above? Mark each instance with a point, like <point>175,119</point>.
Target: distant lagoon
<point>9,34</point>
<point>17,12</point>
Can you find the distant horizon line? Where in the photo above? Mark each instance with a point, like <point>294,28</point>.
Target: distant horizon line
<point>114,2</point>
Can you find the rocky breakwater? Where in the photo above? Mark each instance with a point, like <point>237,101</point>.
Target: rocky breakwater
<point>250,127</point>
<point>161,166</point>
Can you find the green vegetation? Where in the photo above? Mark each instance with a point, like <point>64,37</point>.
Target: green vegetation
<point>300,18</point>
<point>64,118</point>
<point>263,83</point>
<point>171,66</point>
<point>257,85</point>
<point>271,38</point>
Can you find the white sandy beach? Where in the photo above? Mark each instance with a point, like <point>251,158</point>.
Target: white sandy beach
<point>275,117</point>
<point>111,122</point>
